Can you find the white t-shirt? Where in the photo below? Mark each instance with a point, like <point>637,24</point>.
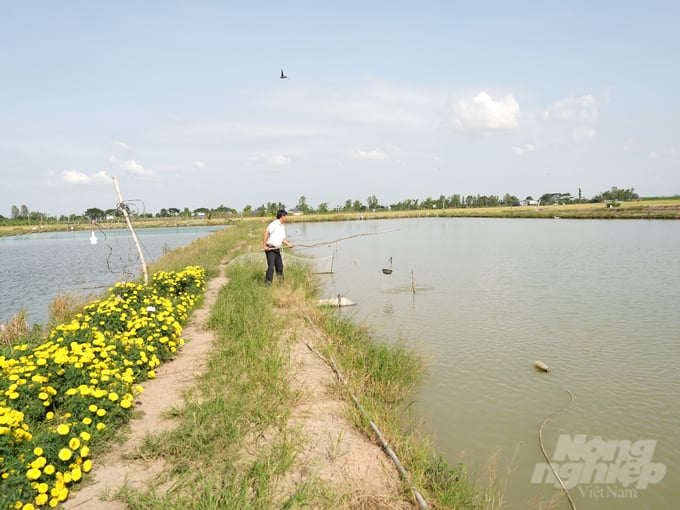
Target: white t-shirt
<point>277,233</point>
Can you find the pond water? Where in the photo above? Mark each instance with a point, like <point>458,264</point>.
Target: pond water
<point>34,268</point>
<point>482,299</point>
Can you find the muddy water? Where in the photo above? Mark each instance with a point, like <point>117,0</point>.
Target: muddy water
<point>598,301</point>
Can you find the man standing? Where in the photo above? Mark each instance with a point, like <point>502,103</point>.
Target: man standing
<point>274,236</point>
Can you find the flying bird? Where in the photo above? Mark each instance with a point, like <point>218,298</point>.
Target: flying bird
<point>283,76</point>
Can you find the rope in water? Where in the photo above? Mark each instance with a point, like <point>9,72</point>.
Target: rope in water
<point>422,504</point>
<point>540,442</point>
<point>344,238</point>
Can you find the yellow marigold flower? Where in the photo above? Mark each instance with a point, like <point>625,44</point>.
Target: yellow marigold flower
<point>65,454</point>
<point>28,506</point>
<point>54,502</point>
<point>49,470</point>
<point>74,443</point>
<point>84,435</point>
<point>63,429</point>
<point>63,494</point>
<point>84,451</point>
<point>101,412</point>
<point>43,396</point>
<point>126,404</point>
<point>37,451</point>
<point>39,463</point>
<point>49,415</point>
<point>87,465</point>
<point>113,396</point>
<point>87,421</point>
<point>101,426</point>
<point>43,488</point>
<point>33,474</point>
<point>92,408</point>
<point>41,499</point>
<point>76,474</point>
<point>151,374</point>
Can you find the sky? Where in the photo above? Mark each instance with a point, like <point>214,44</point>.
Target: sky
<point>182,102</point>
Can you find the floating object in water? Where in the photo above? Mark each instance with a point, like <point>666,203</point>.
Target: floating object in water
<point>388,267</point>
<point>337,301</point>
<point>93,238</point>
<point>541,366</point>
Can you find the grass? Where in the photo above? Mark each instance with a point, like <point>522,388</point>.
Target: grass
<point>232,446</point>
<point>385,377</point>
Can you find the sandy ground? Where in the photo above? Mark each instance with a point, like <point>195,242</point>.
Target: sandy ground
<point>333,451</point>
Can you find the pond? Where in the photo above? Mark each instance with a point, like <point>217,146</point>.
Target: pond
<point>34,268</point>
<point>482,299</point>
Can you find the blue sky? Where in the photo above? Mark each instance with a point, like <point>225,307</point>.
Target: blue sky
<point>183,103</point>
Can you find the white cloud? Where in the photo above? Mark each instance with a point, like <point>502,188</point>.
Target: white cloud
<point>200,165</point>
<point>581,109</point>
<point>75,177</point>
<point>523,149</point>
<point>484,116</point>
<point>133,168</point>
<point>384,107</point>
<point>270,159</point>
<point>384,153</point>
<point>665,155</point>
<point>374,154</point>
<point>121,146</point>
<point>583,132</point>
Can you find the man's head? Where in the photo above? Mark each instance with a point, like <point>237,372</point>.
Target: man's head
<point>281,214</point>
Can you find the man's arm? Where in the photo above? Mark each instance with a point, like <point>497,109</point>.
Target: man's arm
<point>265,236</point>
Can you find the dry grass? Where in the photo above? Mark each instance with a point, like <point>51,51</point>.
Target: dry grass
<point>66,305</point>
<point>15,330</point>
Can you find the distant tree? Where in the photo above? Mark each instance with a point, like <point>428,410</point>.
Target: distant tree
<point>24,212</point>
<point>509,199</point>
<point>163,213</point>
<point>455,201</point>
<point>186,212</point>
<point>323,207</point>
<point>302,205</point>
<point>94,213</point>
<point>15,212</point>
<point>358,206</point>
<point>248,210</point>
<point>173,210</point>
<point>618,194</point>
<point>372,202</point>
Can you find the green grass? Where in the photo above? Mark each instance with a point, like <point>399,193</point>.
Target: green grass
<point>385,377</point>
<point>233,445</point>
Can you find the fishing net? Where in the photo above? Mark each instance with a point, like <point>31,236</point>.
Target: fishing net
<point>323,265</point>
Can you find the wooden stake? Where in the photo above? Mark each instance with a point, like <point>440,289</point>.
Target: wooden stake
<point>413,282</point>
<point>132,231</point>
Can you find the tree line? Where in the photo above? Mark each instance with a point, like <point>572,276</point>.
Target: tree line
<point>22,215</point>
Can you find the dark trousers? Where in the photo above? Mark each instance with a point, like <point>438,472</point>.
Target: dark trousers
<point>274,261</point>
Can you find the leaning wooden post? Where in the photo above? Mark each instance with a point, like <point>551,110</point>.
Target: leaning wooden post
<point>413,282</point>
<point>132,231</point>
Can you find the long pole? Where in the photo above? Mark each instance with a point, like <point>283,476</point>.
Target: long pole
<point>132,230</point>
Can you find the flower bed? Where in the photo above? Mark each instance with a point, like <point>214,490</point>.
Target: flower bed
<point>57,397</point>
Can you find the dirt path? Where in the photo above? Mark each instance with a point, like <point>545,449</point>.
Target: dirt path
<point>333,450</point>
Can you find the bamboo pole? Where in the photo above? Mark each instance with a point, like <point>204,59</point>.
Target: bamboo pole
<point>132,231</point>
